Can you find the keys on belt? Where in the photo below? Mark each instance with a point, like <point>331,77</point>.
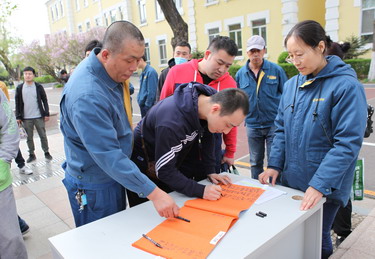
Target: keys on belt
<point>81,199</point>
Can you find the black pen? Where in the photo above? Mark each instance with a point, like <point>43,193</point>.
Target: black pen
<point>152,241</point>
<point>184,219</point>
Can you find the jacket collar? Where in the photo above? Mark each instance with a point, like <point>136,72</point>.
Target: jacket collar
<point>99,69</point>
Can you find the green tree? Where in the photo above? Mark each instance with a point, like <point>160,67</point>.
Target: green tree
<point>8,43</point>
<point>178,25</point>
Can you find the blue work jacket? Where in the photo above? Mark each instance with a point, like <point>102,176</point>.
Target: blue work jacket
<point>148,85</point>
<point>97,135</point>
<point>320,126</point>
<point>264,95</point>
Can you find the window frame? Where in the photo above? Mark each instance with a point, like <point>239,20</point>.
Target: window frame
<point>162,50</point>
<point>237,32</point>
<point>142,12</point>
<point>159,15</point>
<point>365,35</point>
<point>260,27</point>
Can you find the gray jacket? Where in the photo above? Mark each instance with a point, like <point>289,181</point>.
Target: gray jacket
<point>9,134</point>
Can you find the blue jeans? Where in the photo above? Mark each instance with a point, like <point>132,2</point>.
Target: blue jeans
<point>258,139</point>
<point>329,212</point>
<point>102,200</point>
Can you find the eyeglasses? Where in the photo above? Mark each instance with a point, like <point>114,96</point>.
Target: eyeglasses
<point>299,57</point>
<point>291,59</point>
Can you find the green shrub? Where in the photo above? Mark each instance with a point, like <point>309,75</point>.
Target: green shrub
<point>289,69</point>
<point>282,57</point>
<point>44,79</point>
<point>197,54</point>
<point>361,66</point>
<point>58,86</point>
<point>233,70</point>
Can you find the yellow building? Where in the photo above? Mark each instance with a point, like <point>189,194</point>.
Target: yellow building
<point>238,19</point>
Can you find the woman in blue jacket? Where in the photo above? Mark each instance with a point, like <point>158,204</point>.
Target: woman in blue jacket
<point>320,126</point>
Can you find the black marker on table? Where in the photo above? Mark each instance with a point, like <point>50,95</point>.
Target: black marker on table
<point>184,219</point>
<point>152,241</point>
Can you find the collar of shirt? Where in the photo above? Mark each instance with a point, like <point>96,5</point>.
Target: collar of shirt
<point>99,70</point>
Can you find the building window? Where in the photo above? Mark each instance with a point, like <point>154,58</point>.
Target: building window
<point>259,28</point>
<point>79,28</point>
<point>210,2</point>
<point>88,26</point>
<point>61,8</point>
<point>105,19</point>
<point>212,33</point>
<point>142,11</point>
<point>235,34</point>
<point>85,3</point>
<point>98,21</point>
<point>77,5</point>
<point>162,52</point>
<point>52,16</point>
<point>178,4</point>
<point>121,14</point>
<point>112,13</point>
<point>158,12</point>
<point>147,52</point>
<point>368,15</point>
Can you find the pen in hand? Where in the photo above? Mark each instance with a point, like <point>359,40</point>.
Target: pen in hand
<point>184,219</point>
<point>152,241</point>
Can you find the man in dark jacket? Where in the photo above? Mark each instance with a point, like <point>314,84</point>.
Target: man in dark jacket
<point>32,110</point>
<point>181,54</point>
<point>177,128</point>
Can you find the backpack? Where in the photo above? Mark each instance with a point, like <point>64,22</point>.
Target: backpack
<point>369,128</point>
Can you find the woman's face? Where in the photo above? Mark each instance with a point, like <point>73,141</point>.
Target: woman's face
<point>306,59</point>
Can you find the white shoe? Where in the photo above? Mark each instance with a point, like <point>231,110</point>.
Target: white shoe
<point>26,170</point>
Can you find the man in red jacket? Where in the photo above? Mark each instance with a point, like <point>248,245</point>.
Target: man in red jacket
<point>212,70</point>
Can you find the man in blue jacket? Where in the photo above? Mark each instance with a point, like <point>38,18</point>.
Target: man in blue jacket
<point>97,133</point>
<point>176,129</point>
<point>263,82</point>
<point>148,85</point>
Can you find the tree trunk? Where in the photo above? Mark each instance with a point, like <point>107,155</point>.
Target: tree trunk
<point>178,25</point>
<point>8,65</point>
<point>371,73</point>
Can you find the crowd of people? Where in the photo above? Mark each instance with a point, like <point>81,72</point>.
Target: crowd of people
<point>311,126</point>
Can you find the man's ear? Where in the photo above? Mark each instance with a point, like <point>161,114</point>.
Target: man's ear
<point>206,54</point>
<point>105,54</point>
<point>216,108</point>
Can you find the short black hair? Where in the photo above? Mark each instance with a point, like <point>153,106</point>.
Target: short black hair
<point>63,71</point>
<point>310,32</point>
<point>224,43</point>
<point>182,44</point>
<point>231,99</point>
<point>29,69</point>
<point>119,31</point>
<point>92,45</point>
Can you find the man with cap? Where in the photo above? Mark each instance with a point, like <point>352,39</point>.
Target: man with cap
<point>263,82</point>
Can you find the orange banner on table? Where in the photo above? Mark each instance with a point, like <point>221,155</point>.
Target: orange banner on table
<point>209,222</point>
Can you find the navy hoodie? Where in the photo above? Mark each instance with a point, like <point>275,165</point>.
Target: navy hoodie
<point>173,135</point>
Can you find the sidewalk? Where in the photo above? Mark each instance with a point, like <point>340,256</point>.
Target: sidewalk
<point>43,202</point>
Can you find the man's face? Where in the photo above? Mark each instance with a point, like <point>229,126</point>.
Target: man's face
<point>223,124</point>
<point>256,56</point>
<point>217,64</point>
<point>182,52</point>
<point>28,76</point>
<point>121,65</point>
